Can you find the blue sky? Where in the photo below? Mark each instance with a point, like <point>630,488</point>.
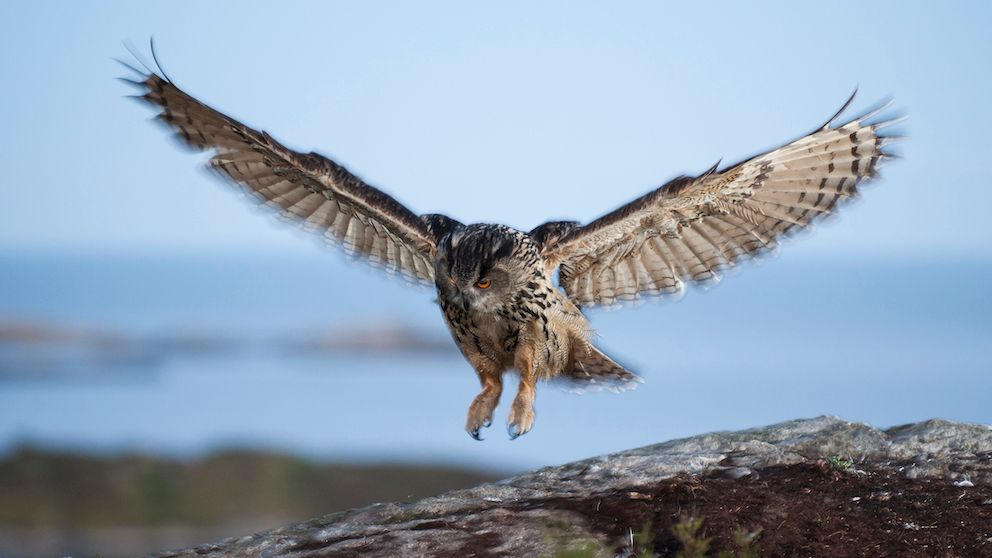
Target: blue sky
<point>513,113</point>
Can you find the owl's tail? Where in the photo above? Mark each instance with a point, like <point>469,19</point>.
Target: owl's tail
<point>593,370</point>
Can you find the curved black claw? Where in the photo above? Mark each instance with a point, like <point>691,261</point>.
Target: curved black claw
<point>474,428</point>
<point>513,431</point>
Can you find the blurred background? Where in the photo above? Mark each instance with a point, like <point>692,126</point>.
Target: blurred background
<point>175,366</point>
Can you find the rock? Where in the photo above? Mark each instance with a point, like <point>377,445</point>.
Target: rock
<point>532,514</point>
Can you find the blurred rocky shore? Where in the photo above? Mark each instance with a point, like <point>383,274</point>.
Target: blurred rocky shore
<point>32,350</point>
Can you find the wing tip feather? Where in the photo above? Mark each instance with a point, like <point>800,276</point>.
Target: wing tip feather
<point>844,107</point>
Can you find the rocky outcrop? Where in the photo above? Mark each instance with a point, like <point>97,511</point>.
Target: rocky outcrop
<point>535,513</point>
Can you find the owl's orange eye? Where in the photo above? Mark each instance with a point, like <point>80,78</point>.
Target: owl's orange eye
<point>484,283</point>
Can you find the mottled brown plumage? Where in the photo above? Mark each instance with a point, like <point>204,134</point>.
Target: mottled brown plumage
<point>495,284</point>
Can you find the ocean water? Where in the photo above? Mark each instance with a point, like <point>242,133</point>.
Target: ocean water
<point>881,342</point>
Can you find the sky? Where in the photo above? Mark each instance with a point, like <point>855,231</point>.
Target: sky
<point>515,113</point>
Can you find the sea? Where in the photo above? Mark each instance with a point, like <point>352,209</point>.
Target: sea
<point>185,355</point>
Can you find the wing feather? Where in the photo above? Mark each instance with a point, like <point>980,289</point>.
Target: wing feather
<point>305,188</point>
<point>691,229</point>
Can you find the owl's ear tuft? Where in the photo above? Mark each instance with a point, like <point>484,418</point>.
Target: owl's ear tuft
<point>439,225</point>
<point>548,234</point>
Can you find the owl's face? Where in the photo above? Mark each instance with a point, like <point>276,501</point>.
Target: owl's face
<point>476,267</point>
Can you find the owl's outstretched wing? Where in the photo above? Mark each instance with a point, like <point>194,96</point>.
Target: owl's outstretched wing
<point>692,228</point>
<point>307,188</point>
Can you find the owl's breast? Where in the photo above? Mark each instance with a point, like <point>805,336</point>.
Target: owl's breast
<point>484,332</point>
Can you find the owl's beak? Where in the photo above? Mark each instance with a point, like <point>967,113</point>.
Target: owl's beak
<point>458,297</point>
<point>463,299</point>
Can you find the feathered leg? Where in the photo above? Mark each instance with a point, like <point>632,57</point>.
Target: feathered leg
<point>521,418</point>
<point>480,412</point>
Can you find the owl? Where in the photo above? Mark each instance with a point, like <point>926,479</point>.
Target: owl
<point>514,300</point>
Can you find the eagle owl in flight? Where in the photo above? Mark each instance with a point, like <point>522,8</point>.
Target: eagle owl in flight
<point>496,285</point>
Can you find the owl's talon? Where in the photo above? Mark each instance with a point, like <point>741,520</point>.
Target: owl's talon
<point>521,418</point>
<point>474,432</point>
<point>520,423</point>
<point>475,426</point>
<point>480,412</point>
<point>515,430</point>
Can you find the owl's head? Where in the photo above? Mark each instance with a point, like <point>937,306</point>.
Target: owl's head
<point>482,267</point>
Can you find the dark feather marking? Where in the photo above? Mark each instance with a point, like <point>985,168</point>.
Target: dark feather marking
<point>871,166</point>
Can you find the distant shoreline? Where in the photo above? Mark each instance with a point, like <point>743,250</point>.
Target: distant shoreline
<point>48,350</point>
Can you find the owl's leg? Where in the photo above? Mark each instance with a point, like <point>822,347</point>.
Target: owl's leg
<point>480,412</point>
<point>522,412</point>
<point>521,418</point>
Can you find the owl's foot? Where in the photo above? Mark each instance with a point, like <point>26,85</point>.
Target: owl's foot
<point>521,417</point>
<point>480,414</point>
